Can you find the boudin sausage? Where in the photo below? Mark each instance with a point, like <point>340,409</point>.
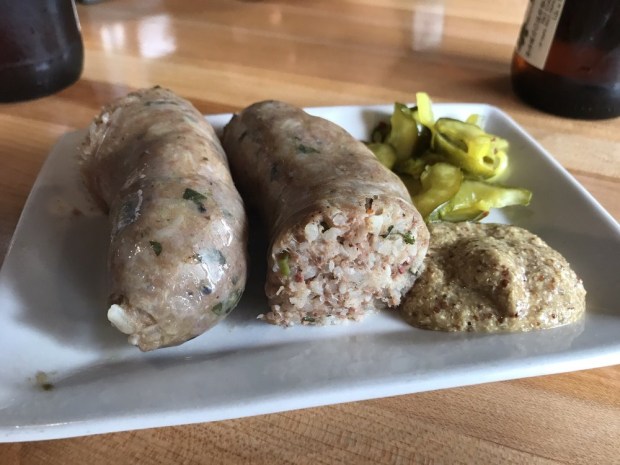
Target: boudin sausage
<point>345,238</point>
<point>177,260</point>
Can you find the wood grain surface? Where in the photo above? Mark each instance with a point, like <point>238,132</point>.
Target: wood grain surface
<point>224,55</point>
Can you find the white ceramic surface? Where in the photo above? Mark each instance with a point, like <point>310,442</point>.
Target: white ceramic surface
<point>54,329</point>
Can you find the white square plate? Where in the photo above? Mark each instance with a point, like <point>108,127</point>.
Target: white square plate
<point>64,371</point>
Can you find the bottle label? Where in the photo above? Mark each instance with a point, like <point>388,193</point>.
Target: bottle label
<point>538,30</point>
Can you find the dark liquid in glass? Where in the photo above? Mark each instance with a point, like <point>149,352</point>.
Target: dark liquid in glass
<point>41,49</point>
<point>581,76</point>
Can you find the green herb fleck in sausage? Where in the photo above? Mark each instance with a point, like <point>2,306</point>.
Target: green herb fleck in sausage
<point>306,149</point>
<point>157,248</point>
<point>407,237</point>
<point>283,265</point>
<point>196,197</point>
<point>218,309</point>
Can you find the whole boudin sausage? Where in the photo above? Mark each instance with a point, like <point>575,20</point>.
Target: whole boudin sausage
<point>345,237</point>
<point>177,258</point>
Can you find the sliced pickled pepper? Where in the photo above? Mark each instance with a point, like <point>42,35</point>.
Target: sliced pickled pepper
<point>384,153</point>
<point>475,199</point>
<point>425,109</point>
<point>380,133</point>
<point>403,135</point>
<point>451,168</point>
<point>440,182</point>
<point>470,148</point>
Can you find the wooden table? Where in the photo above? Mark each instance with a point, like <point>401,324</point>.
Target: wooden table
<point>225,54</point>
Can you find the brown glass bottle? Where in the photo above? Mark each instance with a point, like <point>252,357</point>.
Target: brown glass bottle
<point>574,70</point>
<point>41,48</point>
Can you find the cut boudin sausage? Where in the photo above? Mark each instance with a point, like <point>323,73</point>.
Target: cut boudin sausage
<point>345,237</point>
